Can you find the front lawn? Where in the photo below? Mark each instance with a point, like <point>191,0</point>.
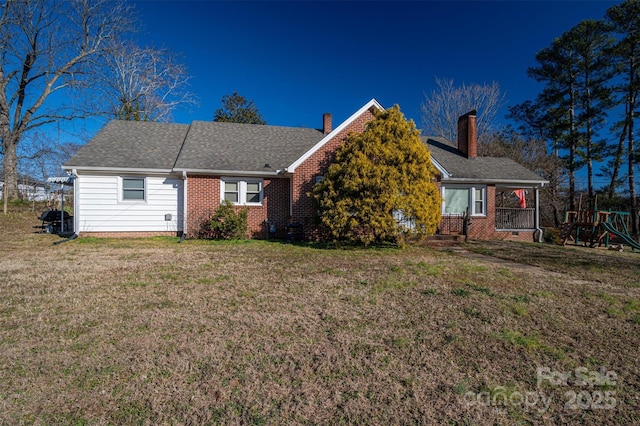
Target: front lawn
<point>152,331</point>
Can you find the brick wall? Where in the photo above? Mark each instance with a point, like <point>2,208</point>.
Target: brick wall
<point>304,177</point>
<point>203,198</point>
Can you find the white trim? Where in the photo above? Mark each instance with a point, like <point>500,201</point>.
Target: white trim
<point>514,183</point>
<point>76,202</point>
<point>471,199</point>
<point>242,189</point>
<point>145,190</point>
<point>438,166</point>
<point>185,191</point>
<point>234,173</point>
<point>117,170</point>
<point>371,104</point>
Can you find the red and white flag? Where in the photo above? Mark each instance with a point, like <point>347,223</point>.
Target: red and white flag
<point>521,194</point>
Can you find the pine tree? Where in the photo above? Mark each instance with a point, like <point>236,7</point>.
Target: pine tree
<point>625,21</point>
<point>237,109</point>
<point>591,39</point>
<point>381,181</point>
<point>576,95</point>
<point>558,70</point>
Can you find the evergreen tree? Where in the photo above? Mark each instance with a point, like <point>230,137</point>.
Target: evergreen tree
<point>381,181</point>
<point>558,70</point>
<point>592,40</point>
<point>237,109</point>
<point>625,21</point>
<point>576,96</point>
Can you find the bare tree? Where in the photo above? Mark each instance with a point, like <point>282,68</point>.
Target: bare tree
<point>145,84</point>
<point>532,153</point>
<point>49,49</point>
<point>441,109</point>
<point>42,154</point>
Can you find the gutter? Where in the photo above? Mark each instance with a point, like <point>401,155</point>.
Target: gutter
<point>121,170</point>
<point>230,172</point>
<point>506,182</point>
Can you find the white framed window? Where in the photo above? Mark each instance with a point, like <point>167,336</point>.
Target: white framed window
<point>456,200</point>
<point>253,192</point>
<point>231,191</point>
<point>479,201</point>
<point>133,189</point>
<point>240,191</point>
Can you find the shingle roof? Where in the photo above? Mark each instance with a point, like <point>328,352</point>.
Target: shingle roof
<point>244,147</point>
<point>211,146</point>
<point>482,169</point>
<point>132,145</point>
<point>203,145</point>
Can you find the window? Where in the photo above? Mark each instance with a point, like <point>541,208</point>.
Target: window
<point>252,194</point>
<point>478,201</point>
<point>133,189</point>
<point>242,191</point>
<point>232,191</point>
<point>455,200</point>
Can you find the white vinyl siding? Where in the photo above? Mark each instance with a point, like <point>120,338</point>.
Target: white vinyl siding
<point>456,199</point>
<point>100,206</point>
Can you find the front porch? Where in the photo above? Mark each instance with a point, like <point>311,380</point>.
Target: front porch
<point>504,217</point>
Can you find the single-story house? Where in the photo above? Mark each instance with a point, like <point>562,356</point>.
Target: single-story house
<point>145,178</point>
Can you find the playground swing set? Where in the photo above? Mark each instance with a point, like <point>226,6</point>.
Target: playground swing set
<point>596,227</point>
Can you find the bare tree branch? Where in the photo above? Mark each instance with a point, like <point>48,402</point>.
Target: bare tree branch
<point>447,102</point>
<point>145,83</point>
<point>49,46</point>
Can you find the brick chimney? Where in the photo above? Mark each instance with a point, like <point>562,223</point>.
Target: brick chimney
<point>468,134</point>
<point>326,123</point>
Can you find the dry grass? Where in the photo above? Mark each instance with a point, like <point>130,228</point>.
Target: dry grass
<point>156,332</point>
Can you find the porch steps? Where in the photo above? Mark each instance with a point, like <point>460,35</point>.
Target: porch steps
<point>440,240</point>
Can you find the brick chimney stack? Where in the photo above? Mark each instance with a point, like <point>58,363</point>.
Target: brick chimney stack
<point>326,123</point>
<point>468,134</point>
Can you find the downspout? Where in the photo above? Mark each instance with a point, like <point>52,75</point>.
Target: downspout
<point>291,197</point>
<point>76,202</point>
<point>184,206</point>
<point>538,231</point>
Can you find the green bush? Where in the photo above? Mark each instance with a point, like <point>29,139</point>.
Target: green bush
<point>228,223</point>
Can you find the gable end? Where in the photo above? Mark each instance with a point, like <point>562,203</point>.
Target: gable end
<point>373,105</point>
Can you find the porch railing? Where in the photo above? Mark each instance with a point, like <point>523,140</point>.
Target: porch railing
<point>510,218</point>
<point>451,224</point>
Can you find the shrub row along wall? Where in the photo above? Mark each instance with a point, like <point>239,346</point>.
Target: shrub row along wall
<point>204,198</point>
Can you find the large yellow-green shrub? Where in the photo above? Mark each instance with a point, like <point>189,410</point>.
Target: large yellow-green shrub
<point>377,176</point>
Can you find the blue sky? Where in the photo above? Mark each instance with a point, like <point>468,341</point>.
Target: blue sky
<point>297,60</point>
